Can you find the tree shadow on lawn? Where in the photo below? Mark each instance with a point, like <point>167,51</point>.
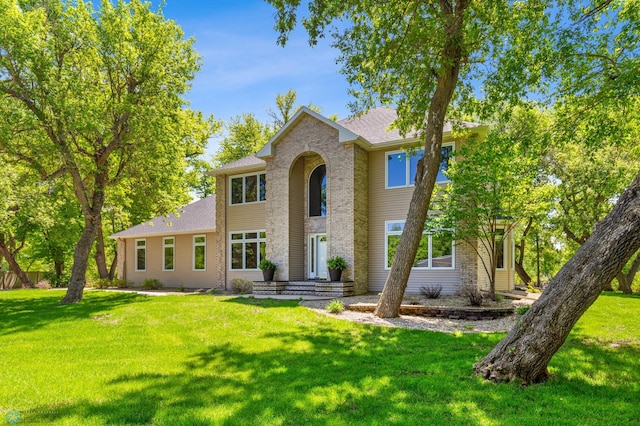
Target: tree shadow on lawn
<point>359,375</point>
<point>26,310</point>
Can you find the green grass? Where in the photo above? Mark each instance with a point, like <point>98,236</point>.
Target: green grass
<point>200,360</point>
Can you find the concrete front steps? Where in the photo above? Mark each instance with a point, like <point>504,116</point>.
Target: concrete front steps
<point>304,288</point>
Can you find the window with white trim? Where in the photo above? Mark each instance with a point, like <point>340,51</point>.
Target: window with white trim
<point>199,252</point>
<point>141,255</point>
<point>251,188</point>
<point>401,172</point>
<point>168,253</point>
<point>247,249</point>
<point>436,249</point>
<point>501,249</point>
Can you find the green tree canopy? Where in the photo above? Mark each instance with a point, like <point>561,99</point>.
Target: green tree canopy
<point>96,95</point>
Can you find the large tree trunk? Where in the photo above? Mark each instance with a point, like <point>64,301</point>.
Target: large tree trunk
<point>80,262</point>
<point>526,351</point>
<point>91,210</point>
<point>100,256</point>
<point>13,264</point>
<point>114,266</point>
<point>396,284</point>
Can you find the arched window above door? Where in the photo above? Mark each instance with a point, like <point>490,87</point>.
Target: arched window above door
<point>318,192</point>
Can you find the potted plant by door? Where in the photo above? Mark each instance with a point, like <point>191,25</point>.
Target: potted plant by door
<point>268,269</point>
<point>336,265</point>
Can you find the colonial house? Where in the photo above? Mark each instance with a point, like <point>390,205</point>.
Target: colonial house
<point>317,189</point>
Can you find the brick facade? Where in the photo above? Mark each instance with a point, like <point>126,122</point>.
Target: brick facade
<point>310,143</point>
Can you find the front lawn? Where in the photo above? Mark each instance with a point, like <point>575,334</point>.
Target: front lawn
<point>199,360</point>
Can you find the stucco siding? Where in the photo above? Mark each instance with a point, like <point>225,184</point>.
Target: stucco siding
<point>183,273</point>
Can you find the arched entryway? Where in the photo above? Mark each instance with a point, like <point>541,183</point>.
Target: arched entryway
<point>308,211</point>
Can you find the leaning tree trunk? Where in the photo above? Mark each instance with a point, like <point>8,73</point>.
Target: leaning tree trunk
<point>13,264</point>
<point>396,284</point>
<point>100,256</point>
<point>526,351</point>
<point>91,210</point>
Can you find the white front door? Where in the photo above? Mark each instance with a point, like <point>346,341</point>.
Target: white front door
<point>318,256</point>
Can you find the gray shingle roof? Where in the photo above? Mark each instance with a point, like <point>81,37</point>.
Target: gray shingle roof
<point>199,216</point>
<point>374,125</point>
<point>245,162</point>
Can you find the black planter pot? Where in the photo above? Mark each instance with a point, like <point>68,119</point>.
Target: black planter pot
<point>267,274</point>
<point>335,274</point>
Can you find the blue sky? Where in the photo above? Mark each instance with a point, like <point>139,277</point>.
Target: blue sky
<point>243,68</point>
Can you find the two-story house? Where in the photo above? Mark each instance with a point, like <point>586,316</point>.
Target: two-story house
<point>319,189</point>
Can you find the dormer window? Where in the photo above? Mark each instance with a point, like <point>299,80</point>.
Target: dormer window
<point>318,192</point>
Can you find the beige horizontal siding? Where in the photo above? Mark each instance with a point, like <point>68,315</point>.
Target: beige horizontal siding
<point>183,273</point>
<point>393,204</point>
<point>245,217</point>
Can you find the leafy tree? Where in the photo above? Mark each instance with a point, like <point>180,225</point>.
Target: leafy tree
<point>590,179</point>
<point>495,185</point>
<point>413,54</point>
<point>93,94</point>
<point>18,189</point>
<point>246,135</point>
<point>598,63</point>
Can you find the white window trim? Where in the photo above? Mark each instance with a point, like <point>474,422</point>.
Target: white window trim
<point>504,252</point>
<point>173,246</point>
<point>417,268</point>
<point>144,240</point>
<point>244,195</point>
<point>408,167</point>
<point>203,244</point>
<point>243,241</point>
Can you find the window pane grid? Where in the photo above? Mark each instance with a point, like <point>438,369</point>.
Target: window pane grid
<point>402,173</point>
<point>199,253</point>
<point>168,251</point>
<point>248,189</point>
<point>247,250</point>
<point>435,250</point>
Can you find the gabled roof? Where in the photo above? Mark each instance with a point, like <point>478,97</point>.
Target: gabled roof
<point>197,217</point>
<point>370,130</point>
<point>374,126</point>
<point>247,163</point>
<point>344,134</point>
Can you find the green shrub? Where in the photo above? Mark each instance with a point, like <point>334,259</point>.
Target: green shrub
<point>101,283</point>
<point>151,284</point>
<point>181,288</point>
<point>532,289</point>
<point>121,283</point>
<point>337,262</point>
<point>241,286</point>
<point>335,307</point>
<point>267,264</point>
<point>521,310</point>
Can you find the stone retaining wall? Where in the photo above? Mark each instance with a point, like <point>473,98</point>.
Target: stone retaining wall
<point>451,312</point>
